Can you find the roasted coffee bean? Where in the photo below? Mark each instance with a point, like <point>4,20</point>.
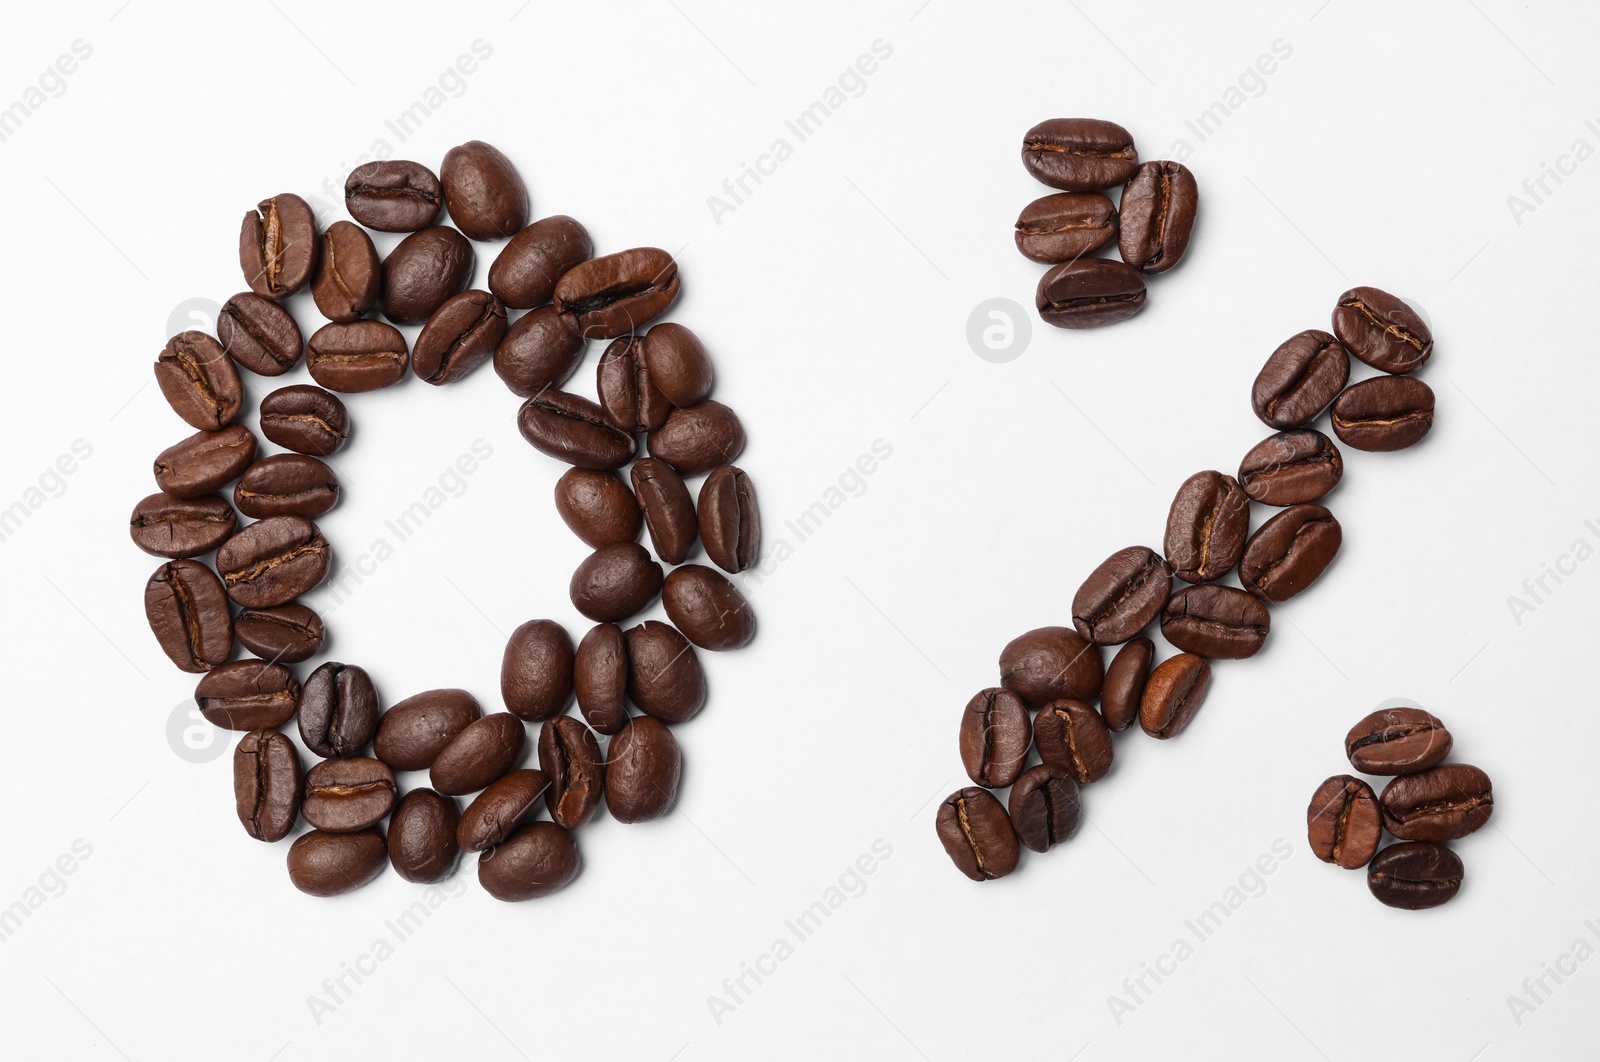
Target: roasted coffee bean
<point>570,756</point>
<point>573,429</point>
<point>273,561</point>
<point>286,485</point>
<point>667,508</point>
<point>305,419</point>
<point>539,352</point>
<point>188,612</point>
<point>536,670</point>
<point>199,381</point>
<point>278,246</point>
<point>259,334</point>
<point>1079,154</point>
<point>730,520</point>
<point>1300,379</point>
<point>615,582</point>
<point>977,834</point>
<point>422,836</point>
<point>1382,330</point>
<point>1343,822</point>
<point>536,860</point>
<point>678,364</point>
<point>1289,552</point>
<point>698,438</point>
<point>1051,664</point>
<point>707,608</point>
<point>642,768</point>
<point>338,710</point>
<point>1065,226</point>
<point>415,731</point>
<point>1159,203</point>
<point>248,695</point>
<point>286,634</point>
<point>1291,467</point>
<point>1173,694</point>
<point>343,796</point>
<point>327,864</point>
<point>1122,596</point>
<point>348,273</point>
<point>618,293</point>
<point>1216,622</point>
<point>630,400</point>
<point>600,677</point>
<point>598,507</point>
<point>426,268</point>
<point>483,191</point>
<point>995,735</point>
<point>1384,413</point>
<point>1089,292</point>
<point>1397,741</point>
<point>175,527</point>
<point>1415,875</point>
<point>664,675</point>
<point>1044,808</point>
<point>1206,527</point>
<point>393,195</point>
<point>266,784</point>
<point>357,356</point>
<point>484,750</point>
<point>1124,686</point>
<point>461,335</point>
<point>205,461</point>
<point>1072,739</point>
<point>1439,804</point>
<point>524,275</point>
<point>499,809</point>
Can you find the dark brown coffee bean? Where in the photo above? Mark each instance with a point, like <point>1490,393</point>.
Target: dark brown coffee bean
<point>536,860</point>
<point>1289,552</point>
<point>615,582</point>
<point>248,695</point>
<point>199,381</point>
<point>483,191</point>
<point>1173,694</point>
<point>266,784</point>
<point>618,293</point>
<point>188,612</point>
<point>667,509</point>
<point>1397,741</point>
<point>1384,413</point>
<point>570,756</point>
<point>205,461</point>
<point>1072,739</point>
<point>1216,622</point>
<point>1044,808</point>
<point>707,608</point>
<point>1065,226</point>
<point>698,438</point>
<point>1299,380</point>
<point>357,356</point>
<point>1343,822</point>
<point>1159,203</point>
<point>338,710</point>
<point>286,485</point>
<point>305,419</point>
<point>1122,596</point>
<point>415,731</point>
<point>426,268</point>
<point>600,677</point>
<point>484,750</point>
<point>630,400</point>
<point>536,670</point>
<point>1079,154</point>
<point>278,246</point>
<point>1051,664</point>
<point>343,796</point>
<point>642,768</point>
<point>422,836</point>
<point>730,519</point>
<point>977,834</point>
<point>664,674</point>
<point>174,527</point>
<point>1206,527</point>
<point>499,809</point>
<point>1291,467</point>
<point>273,561</point>
<point>1124,686</point>
<point>678,364</point>
<point>571,428</point>
<point>286,634</point>
<point>1382,330</point>
<point>1415,875</point>
<point>327,864</point>
<point>524,275</point>
<point>393,195</point>
<point>995,735</point>
<point>539,352</point>
<point>461,335</point>
<point>1088,293</point>
<point>348,273</point>
<point>1439,804</point>
<point>598,507</point>
<point>259,334</point>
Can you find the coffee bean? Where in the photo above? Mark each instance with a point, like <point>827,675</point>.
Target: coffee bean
<point>278,246</point>
<point>343,796</point>
<point>1397,741</point>
<point>1173,694</point>
<point>730,520</point>
<point>199,381</point>
<point>1289,552</point>
<point>285,634</point>
<point>338,710</point>
<point>536,670</point>
<point>1122,596</point>
<point>357,356</point>
<point>1044,808</point>
<point>189,615</point>
<point>615,582</point>
<point>1079,154</point>
<point>1217,622</point>
<point>524,275</point>
<point>977,834</point>
<point>1089,292</point>
<point>678,364</point>
<point>1415,875</point>
<point>484,192</point>
<point>205,461</point>
<point>1382,330</point>
<point>536,860</point>
<point>1159,203</point>
<point>1124,686</point>
<point>393,195</point>
<point>1072,739</point>
<point>1051,664</point>
<point>1439,804</point>
<point>286,485</point>
<point>174,527</point>
<point>273,561</point>
<point>426,268</point>
<point>259,334</point>
<point>1384,413</point>
<point>248,695</point>
<point>570,756</point>
<point>461,335</point>
<point>600,677</point>
<point>1065,226</point>
<point>707,608</point>
<point>573,429</point>
<point>422,836</point>
<point>1343,822</point>
<point>348,273</point>
<point>327,864</point>
<point>664,675</point>
<point>1291,467</point>
<point>598,507</point>
<point>539,352</point>
<point>1298,381</point>
<point>642,769</point>
<point>1206,527</point>
<point>484,750</point>
<point>499,809</point>
<point>995,734</point>
<point>305,419</point>
<point>698,438</point>
<point>413,733</point>
<point>667,509</point>
<point>630,400</point>
<point>618,293</point>
<point>266,784</point>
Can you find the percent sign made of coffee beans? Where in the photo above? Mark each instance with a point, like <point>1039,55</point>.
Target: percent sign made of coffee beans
<point>548,295</point>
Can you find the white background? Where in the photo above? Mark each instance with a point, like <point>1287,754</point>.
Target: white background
<point>835,300</point>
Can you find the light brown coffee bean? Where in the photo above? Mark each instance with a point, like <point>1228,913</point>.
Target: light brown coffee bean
<point>1173,694</point>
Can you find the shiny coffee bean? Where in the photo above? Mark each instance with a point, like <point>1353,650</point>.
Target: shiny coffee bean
<point>536,670</point>
<point>538,859</point>
<point>1159,203</point>
<point>977,835</point>
<point>266,784</point>
<point>1206,527</point>
<point>1439,804</point>
<point>484,750</point>
<point>327,864</point>
<point>1124,685</point>
<point>1382,330</point>
<point>1079,154</point>
<point>426,268</point>
<point>174,527</point>
<point>630,400</point>
<point>995,735</point>
<point>205,461</point>
<point>483,191</point>
<point>1397,741</point>
<point>278,246</point>
<point>1065,226</point>
<point>305,419</point>
<point>1122,596</point>
<point>343,796</point>
<point>1300,379</point>
<point>1415,875</point>
<point>664,675</point>
<point>642,768</point>
<point>1073,740</point>
<point>707,608</point>
<point>248,695</point>
<point>422,836</point>
<point>1216,622</point>
<point>259,334</point>
<point>1173,694</point>
<point>570,756</point>
<point>539,352</point>
<point>1051,664</point>
<point>1044,808</point>
<point>667,509</point>
<point>1088,293</point>
<point>1289,552</point>
<point>678,364</point>
<point>393,195</point>
<point>188,612</point>
<point>338,710</point>
<point>615,582</point>
<point>1343,822</point>
<point>573,429</point>
<point>273,561</point>
<point>730,519</point>
<point>199,381</point>
<point>499,809</point>
<point>348,273</point>
<point>1291,467</point>
<point>357,356</point>
<point>618,293</point>
<point>1384,413</point>
<point>698,438</point>
<point>598,507</point>
<point>413,733</point>
<point>286,485</point>
<point>524,275</point>
<point>285,634</point>
<point>461,335</point>
<point>600,677</point>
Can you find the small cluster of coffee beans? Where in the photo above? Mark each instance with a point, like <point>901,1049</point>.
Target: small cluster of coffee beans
<point>1051,677</point>
<point>656,383</point>
<point>1084,157</point>
<point>1428,803</point>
